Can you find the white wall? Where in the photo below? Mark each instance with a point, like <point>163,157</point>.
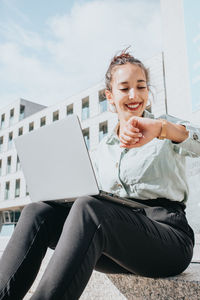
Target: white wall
<point>176,61</point>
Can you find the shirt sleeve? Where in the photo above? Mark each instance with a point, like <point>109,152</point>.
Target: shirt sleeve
<point>191,145</point>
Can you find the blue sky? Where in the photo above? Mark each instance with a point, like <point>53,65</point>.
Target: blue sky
<point>50,50</point>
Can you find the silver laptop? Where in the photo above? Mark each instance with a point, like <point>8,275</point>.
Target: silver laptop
<point>57,166</point>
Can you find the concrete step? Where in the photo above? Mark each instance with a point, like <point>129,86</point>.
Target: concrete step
<point>185,286</point>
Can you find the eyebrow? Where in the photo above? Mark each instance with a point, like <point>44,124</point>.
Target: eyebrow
<point>126,82</point>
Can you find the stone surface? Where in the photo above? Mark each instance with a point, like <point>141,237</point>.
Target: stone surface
<point>183,287</point>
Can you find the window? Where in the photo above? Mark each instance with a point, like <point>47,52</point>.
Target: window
<point>85,108</point>
<point>3,121</point>
<point>43,121</point>
<point>6,217</point>
<point>18,164</point>
<point>31,126</point>
<point>55,115</point>
<point>7,190</point>
<point>8,170</point>
<point>20,131</point>
<point>17,188</point>
<point>1,143</point>
<point>103,130</point>
<point>22,112</point>
<point>102,101</point>
<point>70,109</point>
<point>10,140</point>
<point>11,116</point>
<point>0,166</point>
<point>86,136</point>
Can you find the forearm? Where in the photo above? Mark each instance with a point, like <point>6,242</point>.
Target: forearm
<point>174,132</point>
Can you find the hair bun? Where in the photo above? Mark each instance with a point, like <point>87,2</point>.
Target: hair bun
<point>121,56</point>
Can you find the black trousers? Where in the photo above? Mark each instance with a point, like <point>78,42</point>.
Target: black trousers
<point>92,234</point>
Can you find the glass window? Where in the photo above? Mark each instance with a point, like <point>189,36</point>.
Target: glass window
<point>6,217</point>
<point>17,188</point>
<point>10,140</point>
<point>1,143</point>
<point>103,130</point>
<point>85,108</point>
<point>102,101</point>
<point>86,136</point>
<point>22,112</point>
<point>43,121</point>
<point>20,131</point>
<point>11,116</point>
<point>18,164</point>
<point>7,230</point>
<point>8,170</point>
<point>55,115</point>
<point>70,109</point>
<point>7,190</point>
<point>3,121</point>
<point>31,126</point>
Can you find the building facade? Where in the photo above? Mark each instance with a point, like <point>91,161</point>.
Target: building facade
<point>181,41</point>
<point>23,116</point>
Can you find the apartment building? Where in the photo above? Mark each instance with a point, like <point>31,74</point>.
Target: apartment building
<point>23,116</point>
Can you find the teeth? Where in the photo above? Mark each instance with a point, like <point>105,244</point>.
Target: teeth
<point>133,105</point>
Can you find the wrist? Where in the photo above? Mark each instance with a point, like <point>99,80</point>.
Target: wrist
<point>162,134</point>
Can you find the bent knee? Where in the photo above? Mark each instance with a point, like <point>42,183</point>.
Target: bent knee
<point>32,210</point>
<point>90,207</point>
<point>86,202</point>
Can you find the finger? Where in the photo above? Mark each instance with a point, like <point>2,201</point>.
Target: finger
<point>127,140</point>
<point>133,122</point>
<point>132,134</point>
<point>132,128</point>
<point>127,146</point>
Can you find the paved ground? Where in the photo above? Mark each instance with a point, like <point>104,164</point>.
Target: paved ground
<point>97,280</point>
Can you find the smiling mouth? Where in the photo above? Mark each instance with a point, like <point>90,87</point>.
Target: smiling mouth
<point>133,107</point>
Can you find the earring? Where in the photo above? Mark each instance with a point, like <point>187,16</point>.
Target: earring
<point>112,108</point>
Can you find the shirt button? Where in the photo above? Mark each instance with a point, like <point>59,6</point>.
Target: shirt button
<point>195,136</point>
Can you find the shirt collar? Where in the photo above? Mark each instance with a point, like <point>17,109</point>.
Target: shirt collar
<point>112,137</point>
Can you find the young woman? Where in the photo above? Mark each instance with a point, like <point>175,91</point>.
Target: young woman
<point>142,158</point>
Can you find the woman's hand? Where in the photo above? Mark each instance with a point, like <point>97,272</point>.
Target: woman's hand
<point>139,131</point>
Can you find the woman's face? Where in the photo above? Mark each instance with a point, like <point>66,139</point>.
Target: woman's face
<point>129,91</point>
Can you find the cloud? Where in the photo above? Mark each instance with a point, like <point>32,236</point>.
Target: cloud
<point>22,37</point>
<point>76,50</point>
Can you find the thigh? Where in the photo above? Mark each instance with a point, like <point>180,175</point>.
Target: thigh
<point>145,246</point>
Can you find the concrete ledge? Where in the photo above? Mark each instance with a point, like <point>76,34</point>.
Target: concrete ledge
<point>184,286</point>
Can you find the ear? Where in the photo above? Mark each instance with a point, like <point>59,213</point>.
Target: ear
<point>109,96</point>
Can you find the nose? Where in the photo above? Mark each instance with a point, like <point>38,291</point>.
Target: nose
<point>131,93</point>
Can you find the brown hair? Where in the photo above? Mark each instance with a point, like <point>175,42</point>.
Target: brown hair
<point>123,58</point>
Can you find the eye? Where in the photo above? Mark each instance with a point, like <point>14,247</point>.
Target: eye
<point>124,89</point>
<point>141,87</point>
